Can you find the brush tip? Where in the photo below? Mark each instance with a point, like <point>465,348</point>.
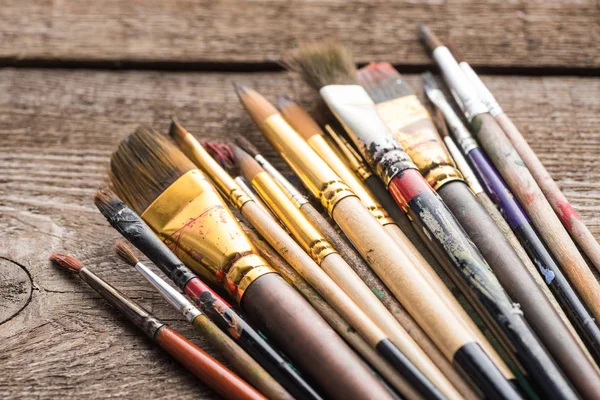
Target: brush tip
<point>176,130</point>
<point>248,165</point>
<point>246,146</point>
<point>429,39</point>
<point>125,253</point>
<point>239,88</point>
<point>66,261</point>
<point>284,101</point>
<point>107,202</point>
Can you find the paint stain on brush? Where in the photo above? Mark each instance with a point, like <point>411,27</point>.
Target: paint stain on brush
<point>378,293</point>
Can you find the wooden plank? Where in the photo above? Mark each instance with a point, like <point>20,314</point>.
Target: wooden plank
<point>556,33</point>
<point>57,129</point>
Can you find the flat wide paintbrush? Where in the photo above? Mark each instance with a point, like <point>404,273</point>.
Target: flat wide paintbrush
<point>411,124</point>
<point>131,226</point>
<point>185,211</point>
<point>234,354</point>
<point>392,265</point>
<point>559,202</point>
<point>206,368</point>
<point>344,290</point>
<point>519,179</point>
<point>315,137</point>
<point>559,341</point>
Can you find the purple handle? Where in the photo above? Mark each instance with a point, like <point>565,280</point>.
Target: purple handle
<point>496,188</point>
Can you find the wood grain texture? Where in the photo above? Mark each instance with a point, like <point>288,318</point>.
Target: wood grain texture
<point>57,129</point>
<point>555,33</point>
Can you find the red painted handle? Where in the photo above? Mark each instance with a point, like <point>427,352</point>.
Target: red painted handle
<point>209,370</point>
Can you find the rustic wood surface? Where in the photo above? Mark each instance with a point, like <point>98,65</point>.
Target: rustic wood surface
<point>557,33</point>
<point>58,127</point>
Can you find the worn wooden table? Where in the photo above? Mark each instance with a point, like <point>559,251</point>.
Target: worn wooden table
<point>77,76</point>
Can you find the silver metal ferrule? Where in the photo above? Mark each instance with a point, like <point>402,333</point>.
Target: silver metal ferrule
<point>482,91</point>
<point>463,166</point>
<point>290,190</point>
<point>458,83</point>
<point>173,297</point>
<point>461,134</point>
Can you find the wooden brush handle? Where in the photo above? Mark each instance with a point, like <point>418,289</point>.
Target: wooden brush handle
<point>206,368</point>
<point>491,209</point>
<point>519,284</point>
<point>335,266</point>
<point>442,289</point>
<point>374,284</point>
<point>523,185</point>
<point>245,365</point>
<point>563,209</point>
<point>309,340</point>
<point>349,334</point>
<point>401,276</point>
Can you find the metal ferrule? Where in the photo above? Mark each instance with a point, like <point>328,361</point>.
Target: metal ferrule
<point>305,234</point>
<point>314,173</point>
<point>136,314</point>
<point>293,194</point>
<point>352,159</point>
<point>221,179</point>
<point>356,111</point>
<point>463,166</point>
<point>482,91</point>
<point>328,153</point>
<point>412,126</point>
<point>458,83</point>
<point>191,218</point>
<point>461,134</point>
<point>173,297</point>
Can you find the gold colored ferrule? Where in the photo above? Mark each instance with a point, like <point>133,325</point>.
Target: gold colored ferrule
<point>314,173</point>
<point>301,229</point>
<point>191,218</point>
<point>350,156</point>
<point>412,126</point>
<point>333,158</point>
<point>221,179</point>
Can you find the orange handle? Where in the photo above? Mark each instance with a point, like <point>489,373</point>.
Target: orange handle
<point>209,370</point>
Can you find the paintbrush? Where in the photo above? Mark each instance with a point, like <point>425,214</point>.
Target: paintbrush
<point>201,364</point>
<point>569,217</point>
<point>248,368</point>
<point>411,124</point>
<point>224,156</point>
<point>131,226</point>
<point>344,290</point>
<point>364,272</point>
<point>558,339</point>
<point>519,179</point>
<point>329,67</point>
<point>184,210</point>
<point>315,137</point>
<point>340,325</point>
<point>392,265</point>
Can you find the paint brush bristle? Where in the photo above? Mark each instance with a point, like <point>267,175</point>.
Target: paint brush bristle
<point>429,83</point>
<point>383,82</point>
<point>107,203</point>
<point>428,38</point>
<point>144,165</point>
<point>125,253</point>
<point>66,261</point>
<point>223,155</point>
<point>322,63</point>
<point>248,165</point>
<point>300,120</point>
<point>257,106</point>
<point>176,130</point>
<point>245,145</point>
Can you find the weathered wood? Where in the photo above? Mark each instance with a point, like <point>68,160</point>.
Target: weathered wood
<point>57,129</point>
<point>526,33</point>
